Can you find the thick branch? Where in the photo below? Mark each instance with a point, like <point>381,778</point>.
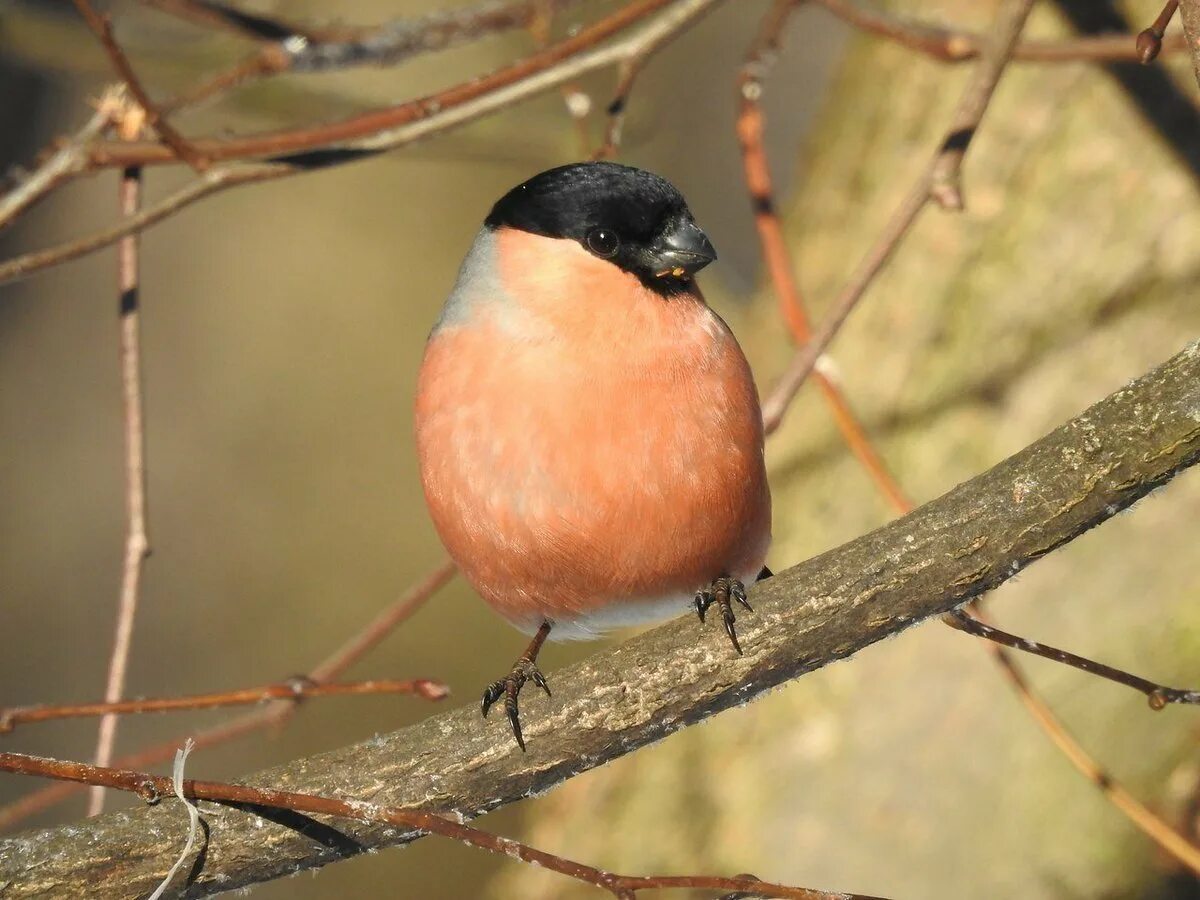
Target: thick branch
<point>947,552</point>
<point>1189,14</point>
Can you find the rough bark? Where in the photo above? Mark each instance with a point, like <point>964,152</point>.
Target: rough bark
<point>953,549</point>
<point>1189,12</point>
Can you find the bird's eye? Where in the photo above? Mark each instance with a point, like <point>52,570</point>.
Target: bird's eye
<point>603,243</point>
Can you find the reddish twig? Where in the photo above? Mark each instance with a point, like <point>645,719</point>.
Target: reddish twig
<point>1149,42</point>
<point>1148,822</point>
<point>305,139</point>
<point>176,142</point>
<point>448,115</point>
<point>294,689</point>
<point>285,46</point>
<point>274,715</point>
<point>956,45</point>
<point>938,182</point>
<point>779,265</point>
<point>154,788</point>
<point>270,59</point>
<point>757,173</point>
<point>382,625</point>
<point>1158,695</point>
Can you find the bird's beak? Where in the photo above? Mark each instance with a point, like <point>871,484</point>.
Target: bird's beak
<point>681,251</point>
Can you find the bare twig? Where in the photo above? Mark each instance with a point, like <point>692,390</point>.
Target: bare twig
<point>285,46</point>
<point>627,73</point>
<point>275,715</point>
<point>252,26</point>
<point>938,557</point>
<point>382,625</point>
<point>779,265</point>
<point>938,182</point>
<point>214,180</point>
<point>294,689</point>
<point>757,173</point>
<point>311,49</point>
<point>1158,695</point>
<point>376,122</point>
<point>945,176</point>
<point>65,160</point>
<point>956,45</point>
<point>457,107</point>
<point>177,143</point>
<point>1149,822</point>
<point>137,544</point>
<point>1150,41</point>
<point>153,788</point>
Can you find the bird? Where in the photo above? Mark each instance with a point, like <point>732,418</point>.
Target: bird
<point>588,430</point>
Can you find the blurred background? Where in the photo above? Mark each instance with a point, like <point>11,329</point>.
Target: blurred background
<point>283,325</point>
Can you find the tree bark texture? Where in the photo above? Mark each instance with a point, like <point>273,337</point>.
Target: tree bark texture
<point>946,552</point>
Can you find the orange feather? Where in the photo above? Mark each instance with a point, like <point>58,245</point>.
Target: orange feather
<point>585,443</point>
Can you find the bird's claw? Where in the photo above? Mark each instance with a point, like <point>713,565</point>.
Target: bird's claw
<point>724,592</point>
<point>509,687</point>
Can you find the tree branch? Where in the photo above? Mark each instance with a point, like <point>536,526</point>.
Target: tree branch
<point>1189,14</point>
<point>365,125</point>
<point>940,556</point>
<point>939,182</point>
<point>444,111</point>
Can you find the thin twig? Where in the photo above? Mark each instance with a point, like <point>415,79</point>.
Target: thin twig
<point>178,144</point>
<point>153,788</point>
<point>310,138</point>
<point>285,46</point>
<point>274,715</point>
<point>938,182</point>
<point>213,181</point>
<point>311,49</point>
<point>757,173</point>
<point>294,689</point>
<point>451,112</point>
<point>1150,41</point>
<point>778,260</point>
<point>1149,822</point>
<point>382,625</point>
<point>617,108</point>
<point>137,543</point>
<point>957,45</point>
<point>1158,695</point>
<point>66,159</point>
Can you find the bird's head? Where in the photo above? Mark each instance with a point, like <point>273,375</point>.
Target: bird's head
<point>633,219</point>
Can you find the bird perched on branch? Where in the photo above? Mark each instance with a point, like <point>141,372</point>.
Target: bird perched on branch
<point>589,433</point>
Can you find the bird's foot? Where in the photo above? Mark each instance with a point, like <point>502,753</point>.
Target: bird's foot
<point>523,670</point>
<point>724,592</point>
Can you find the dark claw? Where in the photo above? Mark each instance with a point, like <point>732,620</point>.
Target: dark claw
<point>514,717</point>
<point>738,592</point>
<point>721,592</point>
<point>491,695</point>
<point>510,687</point>
<point>728,618</point>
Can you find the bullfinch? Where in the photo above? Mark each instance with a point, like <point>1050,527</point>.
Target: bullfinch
<point>588,431</point>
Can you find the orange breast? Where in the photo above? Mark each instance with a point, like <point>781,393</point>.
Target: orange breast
<point>585,442</point>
